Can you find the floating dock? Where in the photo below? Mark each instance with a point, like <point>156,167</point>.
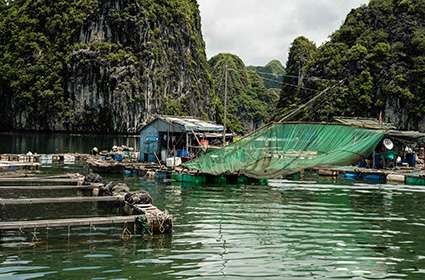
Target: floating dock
<point>66,158</point>
<point>408,176</point>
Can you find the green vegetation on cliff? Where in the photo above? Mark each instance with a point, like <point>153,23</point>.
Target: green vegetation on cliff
<point>100,65</point>
<point>272,73</point>
<point>249,102</point>
<point>301,55</point>
<point>35,37</point>
<point>380,52</point>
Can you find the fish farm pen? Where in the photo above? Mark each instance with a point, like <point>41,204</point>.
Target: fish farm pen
<point>136,214</point>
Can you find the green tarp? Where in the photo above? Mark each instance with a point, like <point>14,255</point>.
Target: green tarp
<point>282,149</point>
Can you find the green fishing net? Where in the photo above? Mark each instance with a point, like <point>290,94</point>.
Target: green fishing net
<point>286,148</point>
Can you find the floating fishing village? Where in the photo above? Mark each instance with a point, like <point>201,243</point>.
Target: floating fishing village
<point>178,149</point>
<point>212,139</point>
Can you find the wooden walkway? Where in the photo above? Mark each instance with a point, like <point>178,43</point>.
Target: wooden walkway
<point>17,225</point>
<point>29,201</point>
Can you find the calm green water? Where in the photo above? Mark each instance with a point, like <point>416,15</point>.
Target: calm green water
<point>18,143</point>
<point>287,230</point>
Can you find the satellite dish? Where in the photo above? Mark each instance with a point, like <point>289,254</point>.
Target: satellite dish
<point>388,144</point>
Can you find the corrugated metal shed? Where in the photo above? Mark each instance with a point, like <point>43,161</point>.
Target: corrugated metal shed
<point>183,124</point>
<point>164,133</point>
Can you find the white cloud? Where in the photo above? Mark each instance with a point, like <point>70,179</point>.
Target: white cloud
<point>261,30</point>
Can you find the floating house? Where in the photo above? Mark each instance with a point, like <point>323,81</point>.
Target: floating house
<point>170,136</point>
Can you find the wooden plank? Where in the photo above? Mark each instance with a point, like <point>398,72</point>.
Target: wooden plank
<point>143,205</point>
<point>17,225</point>
<point>39,180</point>
<point>48,188</point>
<point>28,201</point>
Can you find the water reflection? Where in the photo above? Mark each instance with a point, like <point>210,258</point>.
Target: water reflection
<point>284,231</point>
<point>17,143</point>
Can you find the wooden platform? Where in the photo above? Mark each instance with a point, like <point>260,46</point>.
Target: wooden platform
<point>29,201</point>
<point>17,225</point>
<point>6,166</point>
<point>54,158</point>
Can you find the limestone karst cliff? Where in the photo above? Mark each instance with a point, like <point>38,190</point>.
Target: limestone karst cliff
<point>380,52</point>
<point>100,65</point>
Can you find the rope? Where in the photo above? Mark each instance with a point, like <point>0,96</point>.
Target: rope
<point>296,111</point>
<point>34,236</point>
<point>291,76</point>
<point>291,85</point>
<point>126,234</point>
<point>161,220</point>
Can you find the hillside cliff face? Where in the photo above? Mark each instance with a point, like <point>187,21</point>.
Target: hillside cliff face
<point>100,65</point>
<point>249,103</point>
<point>272,74</point>
<point>380,52</point>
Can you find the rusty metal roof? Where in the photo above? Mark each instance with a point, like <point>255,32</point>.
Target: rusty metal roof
<point>183,124</point>
<point>365,123</point>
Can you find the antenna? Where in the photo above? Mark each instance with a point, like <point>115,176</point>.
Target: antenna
<point>225,104</point>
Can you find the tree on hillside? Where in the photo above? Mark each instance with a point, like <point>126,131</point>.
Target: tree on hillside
<point>246,94</point>
<point>272,74</point>
<point>301,55</point>
<point>380,52</point>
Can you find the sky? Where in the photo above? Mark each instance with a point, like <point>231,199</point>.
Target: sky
<point>261,30</point>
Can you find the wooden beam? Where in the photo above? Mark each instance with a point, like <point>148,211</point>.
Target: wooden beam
<point>17,225</point>
<point>49,188</point>
<point>28,201</point>
<point>41,180</point>
<point>35,175</point>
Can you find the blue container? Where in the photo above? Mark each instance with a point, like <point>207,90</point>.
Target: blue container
<point>117,157</point>
<point>182,153</point>
<point>351,175</point>
<point>374,177</point>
